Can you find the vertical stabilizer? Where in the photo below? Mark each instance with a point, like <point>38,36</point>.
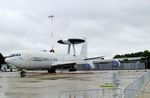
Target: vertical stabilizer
<point>83,52</point>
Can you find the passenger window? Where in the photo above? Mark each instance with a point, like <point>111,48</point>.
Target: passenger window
<point>13,55</point>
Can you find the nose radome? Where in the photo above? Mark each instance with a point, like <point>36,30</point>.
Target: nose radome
<point>7,60</point>
<point>10,61</point>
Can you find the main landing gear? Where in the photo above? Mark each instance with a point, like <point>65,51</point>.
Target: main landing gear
<point>22,74</point>
<point>72,69</point>
<point>52,70</point>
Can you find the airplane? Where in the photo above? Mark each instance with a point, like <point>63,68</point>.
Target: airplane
<point>34,60</point>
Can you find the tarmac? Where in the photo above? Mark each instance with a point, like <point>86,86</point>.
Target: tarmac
<point>39,84</point>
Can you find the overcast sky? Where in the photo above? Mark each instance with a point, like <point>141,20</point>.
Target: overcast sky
<point>110,26</point>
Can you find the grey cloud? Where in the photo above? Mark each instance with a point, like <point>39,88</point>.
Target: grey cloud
<point>111,27</point>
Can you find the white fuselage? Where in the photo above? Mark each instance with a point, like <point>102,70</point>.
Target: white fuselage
<point>38,59</point>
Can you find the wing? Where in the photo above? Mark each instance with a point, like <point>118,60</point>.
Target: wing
<point>86,63</point>
<point>68,64</point>
<point>64,65</point>
<point>94,58</point>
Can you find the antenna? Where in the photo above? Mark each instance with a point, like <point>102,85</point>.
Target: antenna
<point>51,19</point>
<point>72,42</point>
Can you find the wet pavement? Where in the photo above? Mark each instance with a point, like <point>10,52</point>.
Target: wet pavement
<point>42,85</point>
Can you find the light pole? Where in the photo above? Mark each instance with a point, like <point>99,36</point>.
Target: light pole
<point>51,17</point>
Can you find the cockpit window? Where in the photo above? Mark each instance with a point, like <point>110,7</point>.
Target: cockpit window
<point>13,55</point>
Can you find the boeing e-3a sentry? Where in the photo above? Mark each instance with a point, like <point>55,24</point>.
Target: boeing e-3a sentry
<point>34,60</point>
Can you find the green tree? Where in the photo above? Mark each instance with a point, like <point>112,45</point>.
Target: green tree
<point>146,53</point>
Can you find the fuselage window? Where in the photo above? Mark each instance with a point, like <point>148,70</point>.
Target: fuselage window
<point>46,59</point>
<point>13,55</point>
<point>40,59</point>
<point>53,59</point>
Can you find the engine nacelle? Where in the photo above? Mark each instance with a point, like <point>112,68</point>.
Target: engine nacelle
<point>88,66</point>
<point>115,63</point>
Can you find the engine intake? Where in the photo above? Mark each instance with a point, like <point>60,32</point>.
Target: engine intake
<point>115,63</point>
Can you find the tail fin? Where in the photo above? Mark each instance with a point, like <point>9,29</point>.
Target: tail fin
<point>83,52</point>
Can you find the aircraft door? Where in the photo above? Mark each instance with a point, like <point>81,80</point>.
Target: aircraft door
<point>28,59</point>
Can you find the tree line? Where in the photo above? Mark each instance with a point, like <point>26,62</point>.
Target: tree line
<point>145,54</point>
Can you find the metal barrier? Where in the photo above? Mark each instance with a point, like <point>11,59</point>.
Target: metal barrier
<point>133,90</point>
<point>141,94</point>
<point>92,93</point>
<point>144,94</point>
<point>123,66</point>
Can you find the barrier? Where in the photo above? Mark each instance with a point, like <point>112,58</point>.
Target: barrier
<point>134,89</point>
<point>144,94</point>
<point>141,94</point>
<point>92,93</point>
<point>123,66</point>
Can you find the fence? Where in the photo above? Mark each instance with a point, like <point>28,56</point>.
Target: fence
<point>123,66</point>
<point>141,94</point>
<point>133,90</point>
<point>92,93</point>
<point>132,66</point>
<point>144,94</point>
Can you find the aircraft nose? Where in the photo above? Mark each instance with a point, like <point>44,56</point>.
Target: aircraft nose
<point>10,61</point>
<point>7,60</point>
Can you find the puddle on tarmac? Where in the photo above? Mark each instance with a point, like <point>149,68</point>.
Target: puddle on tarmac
<point>22,87</point>
<point>79,78</point>
<point>29,81</point>
<point>21,95</point>
<point>11,93</point>
<point>53,78</point>
<point>58,77</point>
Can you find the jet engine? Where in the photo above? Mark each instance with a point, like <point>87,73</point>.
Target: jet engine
<point>87,66</point>
<point>115,63</point>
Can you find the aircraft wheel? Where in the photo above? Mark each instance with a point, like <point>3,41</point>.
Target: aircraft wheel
<point>11,70</point>
<point>22,74</point>
<point>52,70</point>
<point>72,69</point>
